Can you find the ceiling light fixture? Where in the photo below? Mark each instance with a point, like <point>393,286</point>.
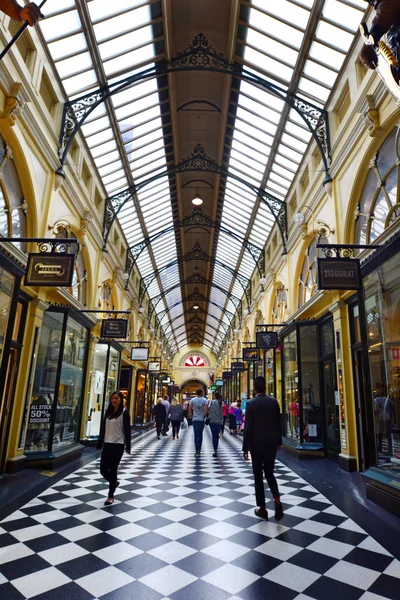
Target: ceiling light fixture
<point>197,199</point>
<point>196,307</point>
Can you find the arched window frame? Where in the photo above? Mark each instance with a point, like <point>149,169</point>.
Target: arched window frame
<point>308,279</point>
<point>279,309</point>
<point>196,357</point>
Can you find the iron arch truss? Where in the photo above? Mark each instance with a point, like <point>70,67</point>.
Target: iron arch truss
<point>196,254</point>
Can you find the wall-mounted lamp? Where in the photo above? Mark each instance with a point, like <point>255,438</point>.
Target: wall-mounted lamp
<point>263,281</point>
<point>141,309</point>
<point>125,276</point>
<point>197,199</point>
<point>321,229</point>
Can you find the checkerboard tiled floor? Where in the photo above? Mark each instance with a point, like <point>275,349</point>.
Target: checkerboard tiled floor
<point>183,528</point>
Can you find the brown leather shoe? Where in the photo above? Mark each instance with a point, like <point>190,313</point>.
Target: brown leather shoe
<point>262,513</point>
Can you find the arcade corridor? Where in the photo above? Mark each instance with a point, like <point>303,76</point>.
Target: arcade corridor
<point>184,528</point>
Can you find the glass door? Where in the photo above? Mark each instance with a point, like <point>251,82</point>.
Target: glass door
<point>332,406</point>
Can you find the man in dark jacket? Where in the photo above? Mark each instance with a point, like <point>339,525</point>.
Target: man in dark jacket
<point>262,436</point>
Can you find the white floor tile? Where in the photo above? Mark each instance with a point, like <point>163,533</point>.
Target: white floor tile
<point>50,516</point>
<point>14,552</point>
<point>172,552</point>
<point>30,533</point>
<point>168,580</point>
<point>268,529</point>
<point>351,526</point>
<point>18,514</point>
<point>354,575</point>
<point>117,553</point>
<point>104,581</point>
<point>331,548</point>
<point>301,512</point>
<point>40,582</point>
<point>393,569</point>
<point>80,532</point>
<point>178,514</point>
<point>175,531</point>
<point>219,514</point>
<point>61,554</point>
<point>291,576</point>
<point>225,550</point>
<point>370,544</point>
<point>222,530</point>
<point>314,527</point>
<point>278,549</point>
<point>230,578</point>
<point>127,532</point>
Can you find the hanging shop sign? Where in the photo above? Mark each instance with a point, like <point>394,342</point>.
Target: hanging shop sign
<point>139,353</point>
<point>114,328</point>
<point>213,388</point>
<point>251,354</point>
<point>339,274</point>
<point>171,383</point>
<point>40,414</point>
<point>219,382</point>
<point>237,367</point>
<point>50,269</point>
<point>226,375</point>
<point>166,380</point>
<point>154,366</point>
<point>267,339</point>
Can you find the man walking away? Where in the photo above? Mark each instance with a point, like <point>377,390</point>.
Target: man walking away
<point>262,436</point>
<point>197,411</point>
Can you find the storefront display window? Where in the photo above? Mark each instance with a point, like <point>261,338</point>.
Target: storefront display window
<point>310,400</point>
<point>291,387</point>
<point>382,307</point>
<point>6,290</point>
<point>56,399</point>
<point>269,357</point>
<point>103,382</point>
<point>141,401</point>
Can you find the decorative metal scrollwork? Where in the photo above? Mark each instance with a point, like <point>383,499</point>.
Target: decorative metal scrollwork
<point>74,112</point>
<point>318,120</point>
<point>198,160</point>
<point>60,245</point>
<point>200,53</point>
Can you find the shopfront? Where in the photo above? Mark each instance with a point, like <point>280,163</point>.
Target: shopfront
<point>375,334</point>
<point>13,309</point>
<point>310,406</point>
<point>149,387</point>
<point>58,369</point>
<point>104,376</point>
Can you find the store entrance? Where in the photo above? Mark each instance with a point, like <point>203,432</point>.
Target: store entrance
<point>190,388</point>
<point>332,417</point>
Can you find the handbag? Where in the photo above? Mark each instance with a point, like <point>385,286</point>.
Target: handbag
<point>184,424</point>
<point>207,420</point>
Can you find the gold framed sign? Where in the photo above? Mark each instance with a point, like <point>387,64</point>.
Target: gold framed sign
<point>50,269</point>
<point>114,328</point>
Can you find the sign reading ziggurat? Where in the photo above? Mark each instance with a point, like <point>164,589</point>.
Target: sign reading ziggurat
<point>339,274</point>
<point>267,339</point>
<point>50,269</point>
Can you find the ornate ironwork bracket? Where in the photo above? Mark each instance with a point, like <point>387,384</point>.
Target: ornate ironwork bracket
<point>343,250</point>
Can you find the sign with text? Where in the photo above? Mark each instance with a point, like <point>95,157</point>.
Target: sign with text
<point>50,269</point>
<point>250,354</point>
<point>219,382</point>
<point>339,274</point>
<point>154,366</point>
<point>237,367</point>
<point>213,388</point>
<point>267,339</point>
<point>114,328</point>
<point>139,353</point>
<point>40,414</point>
<point>226,375</point>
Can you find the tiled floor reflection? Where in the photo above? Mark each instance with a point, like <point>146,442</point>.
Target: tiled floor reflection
<point>183,528</point>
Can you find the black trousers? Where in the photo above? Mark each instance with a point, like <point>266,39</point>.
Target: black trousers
<point>159,426</point>
<point>263,460</point>
<point>110,459</point>
<point>176,425</point>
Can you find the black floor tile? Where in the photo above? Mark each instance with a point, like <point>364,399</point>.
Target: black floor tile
<point>386,586</point>
<point>346,536</point>
<point>262,589</point>
<point>249,539</point>
<point>148,541</point>
<point>296,537</point>
<point>328,519</point>
<point>198,522</point>
<point>199,564</point>
<point>26,566</point>
<point>141,565</point>
<point>326,588</point>
<point>45,543</point>
<point>368,559</point>
<point>70,591</point>
<point>153,523</point>
<point>9,592</point>
<point>313,561</point>
<point>200,590</point>
<point>199,540</point>
<point>82,566</point>
<point>63,524</point>
<point>256,563</point>
<point>97,542</point>
<point>133,591</point>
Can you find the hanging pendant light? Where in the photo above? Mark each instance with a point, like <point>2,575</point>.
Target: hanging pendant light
<point>197,199</point>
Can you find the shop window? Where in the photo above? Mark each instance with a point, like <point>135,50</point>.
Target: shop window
<point>291,387</point>
<point>382,306</point>
<point>379,204</point>
<point>308,277</point>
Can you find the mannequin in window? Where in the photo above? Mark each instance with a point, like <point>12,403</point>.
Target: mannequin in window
<point>30,12</point>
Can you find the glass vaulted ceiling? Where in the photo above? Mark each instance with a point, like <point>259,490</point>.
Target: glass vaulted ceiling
<point>301,46</point>
<point>96,42</point>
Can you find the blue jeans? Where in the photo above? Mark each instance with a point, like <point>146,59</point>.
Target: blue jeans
<point>198,427</point>
<point>215,429</point>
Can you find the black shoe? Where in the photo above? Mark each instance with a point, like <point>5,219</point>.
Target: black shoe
<point>215,454</point>
<point>278,511</point>
<point>108,502</point>
<point>262,514</point>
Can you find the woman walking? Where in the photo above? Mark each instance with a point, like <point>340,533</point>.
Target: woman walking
<point>160,416</point>
<point>232,418</point>
<point>115,434</point>
<point>224,416</point>
<point>215,416</point>
<point>238,416</point>
<point>175,414</point>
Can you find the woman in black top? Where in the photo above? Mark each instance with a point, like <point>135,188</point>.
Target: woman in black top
<point>160,415</point>
<point>115,434</point>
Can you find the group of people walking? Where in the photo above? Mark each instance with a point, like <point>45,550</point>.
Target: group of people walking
<point>261,436</point>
